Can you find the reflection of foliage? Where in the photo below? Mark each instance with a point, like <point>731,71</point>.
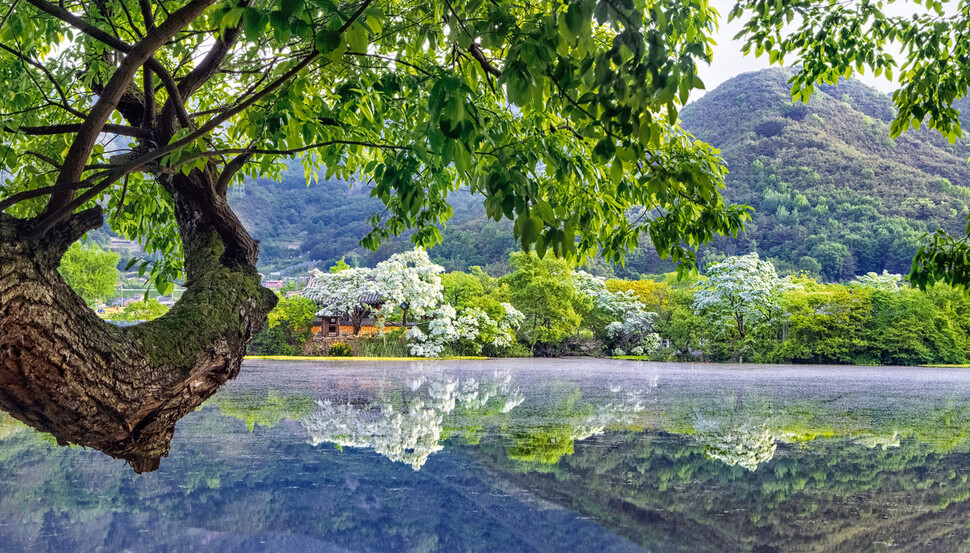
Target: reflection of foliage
<point>657,487</point>
<point>663,492</point>
<point>10,426</point>
<point>264,411</point>
<point>547,443</point>
<point>546,434</point>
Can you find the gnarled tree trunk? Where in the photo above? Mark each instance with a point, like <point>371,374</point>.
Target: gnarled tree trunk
<point>65,371</point>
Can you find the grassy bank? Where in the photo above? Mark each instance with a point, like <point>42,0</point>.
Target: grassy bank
<point>329,358</point>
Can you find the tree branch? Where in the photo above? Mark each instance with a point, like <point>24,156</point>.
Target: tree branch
<point>46,190</point>
<point>120,80</point>
<point>47,220</point>
<point>197,76</point>
<point>123,130</point>
<point>254,151</point>
<point>48,74</point>
<point>120,45</point>
<point>230,170</point>
<point>56,213</point>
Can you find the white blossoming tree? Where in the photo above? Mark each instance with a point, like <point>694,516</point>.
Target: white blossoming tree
<point>441,331</point>
<point>341,293</point>
<point>411,281</point>
<point>478,328</point>
<point>886,281</point>
<point>630,329</point>
<point>741,292</point>
<point>470,331</point>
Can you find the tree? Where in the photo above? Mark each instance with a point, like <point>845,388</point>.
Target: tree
<point>139,311</point>
<point>339,266</point>
<point>90,271</point>
<point>410,280</point>
<point>741,291</point>
<point>543,291</point>
<point>626,323</point>
<point>342,293</point>
<point>295,314</point>
<point>461,289</point>
<point>834,40</point>
<point>563,116</point>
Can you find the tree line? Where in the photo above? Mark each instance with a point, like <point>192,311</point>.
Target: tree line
<point>739,310</point>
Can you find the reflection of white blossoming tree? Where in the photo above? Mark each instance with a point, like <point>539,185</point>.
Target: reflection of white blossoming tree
<point>412,432</point>
<point>747,444</point>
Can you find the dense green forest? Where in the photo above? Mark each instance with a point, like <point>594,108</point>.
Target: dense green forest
<point>834,195</point>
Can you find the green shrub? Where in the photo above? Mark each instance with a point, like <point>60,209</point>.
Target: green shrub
<point>340,350</point>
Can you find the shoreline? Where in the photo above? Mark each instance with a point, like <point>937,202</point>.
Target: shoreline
<point>350,358</point>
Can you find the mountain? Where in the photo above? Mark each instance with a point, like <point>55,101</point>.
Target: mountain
<point>300,225</point>
<point>834,195</point>
<point>832,191</point>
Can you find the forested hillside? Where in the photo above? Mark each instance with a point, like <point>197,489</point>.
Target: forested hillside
<point>833,192</point>
<point>834,195</point>
<point>296,223</point>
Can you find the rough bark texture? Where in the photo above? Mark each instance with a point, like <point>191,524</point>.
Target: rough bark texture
<point>120,390</point>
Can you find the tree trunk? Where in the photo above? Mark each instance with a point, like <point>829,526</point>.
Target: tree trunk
<point>65,371</point>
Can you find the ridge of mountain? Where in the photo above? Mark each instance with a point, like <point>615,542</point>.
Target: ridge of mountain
<point>833,194</point>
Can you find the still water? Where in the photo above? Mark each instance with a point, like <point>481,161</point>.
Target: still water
<point>521,455</point>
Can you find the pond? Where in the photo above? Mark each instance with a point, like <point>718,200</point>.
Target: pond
<point>521,455</point>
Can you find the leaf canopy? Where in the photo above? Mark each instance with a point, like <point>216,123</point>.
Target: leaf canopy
<point>562,115</point>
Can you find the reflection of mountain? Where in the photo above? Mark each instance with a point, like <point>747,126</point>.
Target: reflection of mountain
<point>664,493</point>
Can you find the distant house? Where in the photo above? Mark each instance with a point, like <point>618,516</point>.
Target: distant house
<point>329,325</point>
<point>273,284</point>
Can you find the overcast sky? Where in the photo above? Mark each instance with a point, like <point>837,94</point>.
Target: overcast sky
<point>728,60</point>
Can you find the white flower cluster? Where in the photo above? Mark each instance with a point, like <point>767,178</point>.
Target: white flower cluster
<point>411,433</point>
<point>619,305</point>
<point>411,279</point>
<point>742,287</point>
<point>632,329</point>
<point>442,330</point>
<point>474,326</point>
<point>886,281</point>
<point>340,293</point>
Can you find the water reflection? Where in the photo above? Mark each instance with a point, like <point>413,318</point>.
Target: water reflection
<point>407,425</point>
<point>549,457</point>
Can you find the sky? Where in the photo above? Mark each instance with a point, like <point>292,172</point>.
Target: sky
<point>728,60</point>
